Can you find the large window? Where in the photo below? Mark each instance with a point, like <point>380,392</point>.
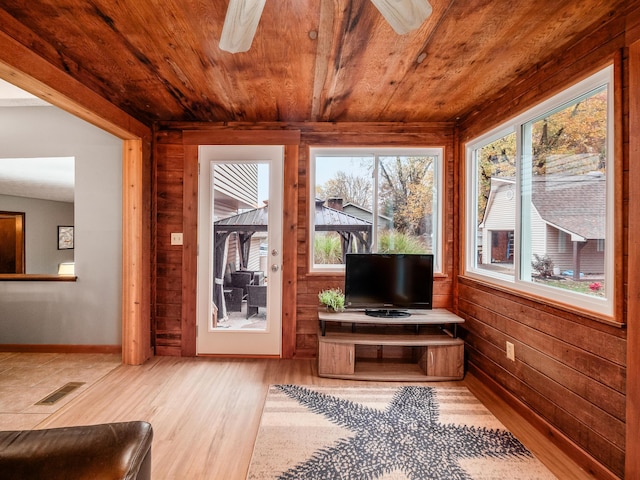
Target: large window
<point>541,201</point>
<point>374,200</point>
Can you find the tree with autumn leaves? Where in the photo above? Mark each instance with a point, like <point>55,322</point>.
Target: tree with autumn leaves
<point>405,191</point>
<point>568,141</point>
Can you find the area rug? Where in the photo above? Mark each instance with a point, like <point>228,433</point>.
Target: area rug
<point>386,433</point>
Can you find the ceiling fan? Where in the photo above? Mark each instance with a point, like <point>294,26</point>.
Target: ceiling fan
<point>243,16</point>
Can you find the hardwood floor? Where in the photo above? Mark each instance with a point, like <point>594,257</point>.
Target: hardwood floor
<point>205,412</point>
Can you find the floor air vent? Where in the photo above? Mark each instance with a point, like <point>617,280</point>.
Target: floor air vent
<point>60,393</point>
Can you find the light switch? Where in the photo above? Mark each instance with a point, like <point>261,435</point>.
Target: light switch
<point>176,239</point>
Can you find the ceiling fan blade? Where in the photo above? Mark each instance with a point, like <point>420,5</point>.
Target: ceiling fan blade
<point>404,15</point>
<point>240,25</point>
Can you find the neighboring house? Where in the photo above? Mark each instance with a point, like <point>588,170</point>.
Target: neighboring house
<point>384,222</point>
<point>236,190</point>
<point>567,221</point>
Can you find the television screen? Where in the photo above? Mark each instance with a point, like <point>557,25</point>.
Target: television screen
<point>389,281</point>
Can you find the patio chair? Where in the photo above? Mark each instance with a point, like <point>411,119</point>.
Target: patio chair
<point>233,299</point>
<point>256,298</point>
<point>241,280</point>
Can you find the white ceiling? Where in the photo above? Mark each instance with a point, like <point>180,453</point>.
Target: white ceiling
<point>43,178</point>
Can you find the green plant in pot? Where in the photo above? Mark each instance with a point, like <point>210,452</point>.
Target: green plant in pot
<point>332,299</point>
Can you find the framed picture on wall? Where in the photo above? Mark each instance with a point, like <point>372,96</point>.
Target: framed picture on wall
<point>65,237</point>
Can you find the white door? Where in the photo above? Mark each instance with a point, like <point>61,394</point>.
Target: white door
<point>240,245</point>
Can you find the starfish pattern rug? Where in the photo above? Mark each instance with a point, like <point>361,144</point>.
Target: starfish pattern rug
<point>385,433</point>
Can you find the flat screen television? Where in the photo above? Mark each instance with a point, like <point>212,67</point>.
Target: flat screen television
<point>386,285</point>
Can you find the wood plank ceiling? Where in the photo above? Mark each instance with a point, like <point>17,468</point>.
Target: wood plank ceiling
<point>311,60</point>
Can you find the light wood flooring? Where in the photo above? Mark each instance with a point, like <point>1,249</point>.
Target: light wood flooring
<point>205,412</point>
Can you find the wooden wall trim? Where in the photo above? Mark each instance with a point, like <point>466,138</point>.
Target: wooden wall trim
<point>216,135</point>
<point>136,314</point>
<point>289,250</point>
<point>60,348</point>
<point>565,444</point>
<point>229,136</point>
<point>189,251</point>
<point>632,457</point>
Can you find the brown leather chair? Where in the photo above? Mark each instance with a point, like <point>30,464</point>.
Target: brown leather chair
<point>107,451</point>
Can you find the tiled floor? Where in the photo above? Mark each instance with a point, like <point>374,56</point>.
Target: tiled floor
<point>26,378</point>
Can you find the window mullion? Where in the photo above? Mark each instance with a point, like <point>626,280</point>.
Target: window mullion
<point>524,187</point>
<point>375,206</point>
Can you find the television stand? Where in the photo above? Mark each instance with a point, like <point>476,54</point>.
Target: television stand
<point>388,349</point>
<point>387,313</point>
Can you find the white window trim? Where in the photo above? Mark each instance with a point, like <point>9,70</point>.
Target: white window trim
<point>375,152</point>
<point>598,305</point>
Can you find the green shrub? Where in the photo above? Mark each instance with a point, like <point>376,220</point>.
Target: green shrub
<point>392,241</point>
<point>327,249</point>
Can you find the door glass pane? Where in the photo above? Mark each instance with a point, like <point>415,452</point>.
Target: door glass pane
<point>240,226</point>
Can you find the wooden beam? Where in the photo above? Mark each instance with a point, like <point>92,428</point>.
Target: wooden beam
<point>25,69</point>
<point>231,136</point>
<point>136,332</point>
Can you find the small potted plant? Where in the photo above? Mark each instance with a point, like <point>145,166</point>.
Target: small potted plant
<point>332,299</point>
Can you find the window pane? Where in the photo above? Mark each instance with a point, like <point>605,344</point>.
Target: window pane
<point>406,204</point>
<point>343,207</point>
<point>564,196</point>
<point>495,165</point>
<point>372,200</point>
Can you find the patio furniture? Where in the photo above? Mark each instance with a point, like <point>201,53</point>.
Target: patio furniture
<point>256,298</point>
<point>241,280</point>
<point>112,450</point>
<point>258,278</point>
<point>233,298</point>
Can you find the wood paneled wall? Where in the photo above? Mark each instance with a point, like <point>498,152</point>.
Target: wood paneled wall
<point>174,295</point>
<point>570,370</point>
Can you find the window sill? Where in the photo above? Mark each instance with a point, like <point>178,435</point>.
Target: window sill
<point>36,277</point>
<point>565,307</point>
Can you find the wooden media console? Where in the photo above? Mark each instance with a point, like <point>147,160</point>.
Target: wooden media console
<point>420,347</point>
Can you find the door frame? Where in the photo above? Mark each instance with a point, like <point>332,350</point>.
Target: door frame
<point>192,139</point>
<point>267,341</point>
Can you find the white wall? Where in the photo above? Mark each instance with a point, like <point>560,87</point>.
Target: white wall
<point>88,311</point>
<point>41,219</point>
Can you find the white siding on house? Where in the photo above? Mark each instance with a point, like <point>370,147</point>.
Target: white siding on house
<point>538,234</point>
<point>501,216</point>
<point>562,257</point>
<point>238,181</point>
<point>591,261</point>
